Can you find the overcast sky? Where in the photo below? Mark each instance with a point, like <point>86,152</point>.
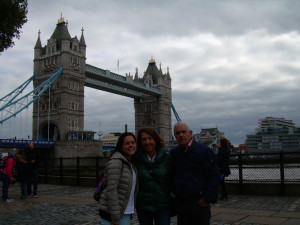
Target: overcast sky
<point>231,62</point>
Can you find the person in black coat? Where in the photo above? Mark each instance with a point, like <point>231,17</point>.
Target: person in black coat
<point>196,178</point>
<point>23,173</point>
<point>223,165</point>
<point>33,159</point>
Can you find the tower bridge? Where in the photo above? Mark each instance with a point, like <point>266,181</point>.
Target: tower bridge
<point>60,109</point>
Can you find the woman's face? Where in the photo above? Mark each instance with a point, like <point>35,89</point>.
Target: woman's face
<point>129,146</point>
<point>148,144</point>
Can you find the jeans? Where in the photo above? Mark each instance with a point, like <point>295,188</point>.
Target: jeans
<point>159,217</point>
<point>5,180</point>
<point>191,213</point>
<point>33,178</point>
<point>125,220</point>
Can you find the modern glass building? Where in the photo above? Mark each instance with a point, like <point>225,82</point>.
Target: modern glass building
<point>274,134</point>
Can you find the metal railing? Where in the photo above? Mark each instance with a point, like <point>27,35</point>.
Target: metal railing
<point>279,168</point>
<point>78,169</point>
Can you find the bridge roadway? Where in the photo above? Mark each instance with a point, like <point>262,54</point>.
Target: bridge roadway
<point>108,81</point>
<point>15,143</point>
<point>66,205</point>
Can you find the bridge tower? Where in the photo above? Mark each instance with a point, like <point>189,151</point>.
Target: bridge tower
<point>66,98</point>
<point>154,111</point>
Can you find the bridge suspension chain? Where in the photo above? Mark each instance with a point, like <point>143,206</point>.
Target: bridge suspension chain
<point>12,105</point>
<point>176,114</point>
<point>15,93</point>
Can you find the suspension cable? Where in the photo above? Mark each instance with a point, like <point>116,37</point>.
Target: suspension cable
<point>26,125</point>
<point>38,119</point>
<point>49,113</point>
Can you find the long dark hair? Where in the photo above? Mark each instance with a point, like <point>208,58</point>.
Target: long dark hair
<point>152,132</point>
<point>224,143</point>
<point>118,147</point>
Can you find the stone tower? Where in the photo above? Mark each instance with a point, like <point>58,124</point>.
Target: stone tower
<point>154,111</point>
<point>66,98</point>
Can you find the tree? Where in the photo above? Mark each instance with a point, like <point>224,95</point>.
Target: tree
<point>12,17</point>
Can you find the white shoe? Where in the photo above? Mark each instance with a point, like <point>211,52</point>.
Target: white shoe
<point>9,200</point>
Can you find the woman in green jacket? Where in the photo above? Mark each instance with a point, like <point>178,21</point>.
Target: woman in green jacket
<point>153,164</point>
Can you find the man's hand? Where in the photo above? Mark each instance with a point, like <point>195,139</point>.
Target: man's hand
<point>203,203</point>
<point>12,181</point>
<point>115,222</point>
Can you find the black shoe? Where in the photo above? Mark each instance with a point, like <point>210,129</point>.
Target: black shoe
<point>223,197</point>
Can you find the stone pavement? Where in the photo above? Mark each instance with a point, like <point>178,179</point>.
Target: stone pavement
<point>67,205</point>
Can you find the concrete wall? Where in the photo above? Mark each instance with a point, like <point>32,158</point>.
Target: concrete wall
<point>258,188</point>
<point>73,149</point>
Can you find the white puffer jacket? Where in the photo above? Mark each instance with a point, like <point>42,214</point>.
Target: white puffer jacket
<point>118,178</point>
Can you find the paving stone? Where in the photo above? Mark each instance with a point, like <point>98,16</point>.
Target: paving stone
<point>288,215</point>
<point>61,205</point>
<point>231,217</point>
<point>256,212</point>
<point>263,220</point>
<point>291,222</point>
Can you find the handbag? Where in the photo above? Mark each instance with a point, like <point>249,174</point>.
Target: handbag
<point>100,187</point>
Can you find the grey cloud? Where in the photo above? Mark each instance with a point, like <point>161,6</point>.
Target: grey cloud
<point>231,62</point>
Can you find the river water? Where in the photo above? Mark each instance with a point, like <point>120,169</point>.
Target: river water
<point>271,174</point>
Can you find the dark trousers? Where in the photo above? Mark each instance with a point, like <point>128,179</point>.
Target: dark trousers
<point>23,184</point>
<point>159,217</point>
<point>191,213</point>
<point>224,189</point>
<point>32,179</point>
<point>5,180</point>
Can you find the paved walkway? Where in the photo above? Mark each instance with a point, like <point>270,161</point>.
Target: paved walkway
<point>66,205</point>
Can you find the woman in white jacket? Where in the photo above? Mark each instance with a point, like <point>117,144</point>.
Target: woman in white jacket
<point>117,202</point>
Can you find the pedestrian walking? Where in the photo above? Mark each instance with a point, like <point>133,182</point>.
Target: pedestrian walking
<point>6,176</point>
<point>33,158</point>
<point>223,165</point>
<point>23,173</point>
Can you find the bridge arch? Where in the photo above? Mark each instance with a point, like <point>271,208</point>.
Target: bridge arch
<point>53,132</point>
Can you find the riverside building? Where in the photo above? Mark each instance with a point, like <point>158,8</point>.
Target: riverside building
<point>274,134</point>
<point>208,135</point>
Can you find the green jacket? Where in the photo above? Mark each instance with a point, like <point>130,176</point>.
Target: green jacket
<point>153,194</point>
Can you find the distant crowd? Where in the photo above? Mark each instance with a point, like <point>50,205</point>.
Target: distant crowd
<point>26,165</point>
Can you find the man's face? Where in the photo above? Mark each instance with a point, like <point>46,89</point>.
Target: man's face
<point>182,135</point>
